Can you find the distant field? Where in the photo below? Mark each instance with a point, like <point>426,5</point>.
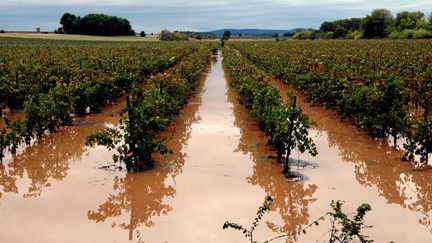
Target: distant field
<point>78,37</point>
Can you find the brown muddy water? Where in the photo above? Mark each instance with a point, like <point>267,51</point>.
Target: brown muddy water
<point>57,191</point>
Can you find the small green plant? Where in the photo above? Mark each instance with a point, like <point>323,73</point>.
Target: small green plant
<point>248,233</point>
<point>298,135</point>
<point>343,228</point>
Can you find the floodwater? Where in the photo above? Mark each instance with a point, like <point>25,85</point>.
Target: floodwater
<point>57,190</point>
<point>357,169</point>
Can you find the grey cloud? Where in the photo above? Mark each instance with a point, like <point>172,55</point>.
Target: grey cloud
<point>152,16</point>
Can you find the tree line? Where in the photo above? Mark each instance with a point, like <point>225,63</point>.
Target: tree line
<point>379,24</point>
<point>166,35</point>
<point>95,24</point>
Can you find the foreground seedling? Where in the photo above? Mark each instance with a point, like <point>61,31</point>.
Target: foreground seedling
<point>343,228</point>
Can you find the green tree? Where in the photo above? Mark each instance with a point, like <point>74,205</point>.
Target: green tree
<point>305,34</point>
<point>407,20</point>
<point>422,24</point>
<point>353,24</point>
<point>340,32</point>
<point>69,23</point>
<point>378,23</point>
<point>287,34</point>
<point>179,36</point>
<point>95,24</point>
<point>143,34</point>
<point>226,35</point>
<point>327,26</point>
<point>349,25</point>
<point>430,19</point>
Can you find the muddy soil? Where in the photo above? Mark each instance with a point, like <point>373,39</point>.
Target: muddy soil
<point>57,190</point>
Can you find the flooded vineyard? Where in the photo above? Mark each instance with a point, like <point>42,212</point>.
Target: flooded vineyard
<point>221,168</point>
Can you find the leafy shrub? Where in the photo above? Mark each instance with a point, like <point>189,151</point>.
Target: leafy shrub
<point>326,35</point>
<point>419,138</point>
<point>408,34</point>
<point>422,34</point>
<point>396,35</point>
<point>358,34</point>
<point>304,35</point>
<point>411,34</point>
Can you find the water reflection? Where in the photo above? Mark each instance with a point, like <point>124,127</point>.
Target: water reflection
<point>377,163</point>
<point>140,196</point>
<point>291,199</point>
<point>35,167</point>
<point>12,115</point>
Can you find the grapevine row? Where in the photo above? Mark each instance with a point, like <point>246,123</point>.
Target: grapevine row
<point>46,110</point>
<point>152,107</point>
<point>266,106</point>
<point>93,74</point>
<point>385,86</point>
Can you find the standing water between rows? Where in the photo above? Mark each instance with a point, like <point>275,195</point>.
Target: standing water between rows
<point>59,191</point>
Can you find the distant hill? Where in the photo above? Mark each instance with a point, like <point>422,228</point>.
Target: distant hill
<point>252,32</point>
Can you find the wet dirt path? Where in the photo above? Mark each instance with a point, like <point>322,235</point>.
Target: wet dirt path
<point>55,190</point>
<point>215,180</point>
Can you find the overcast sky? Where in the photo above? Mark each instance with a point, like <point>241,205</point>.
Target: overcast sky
<point>152,16</point>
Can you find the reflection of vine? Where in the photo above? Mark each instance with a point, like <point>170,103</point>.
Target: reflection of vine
<point>39,165</point>
<point>142,194</point>
<point>291,200</point>
<point>48,158</point>
<point>7,182</point>
<point>377,164</point>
